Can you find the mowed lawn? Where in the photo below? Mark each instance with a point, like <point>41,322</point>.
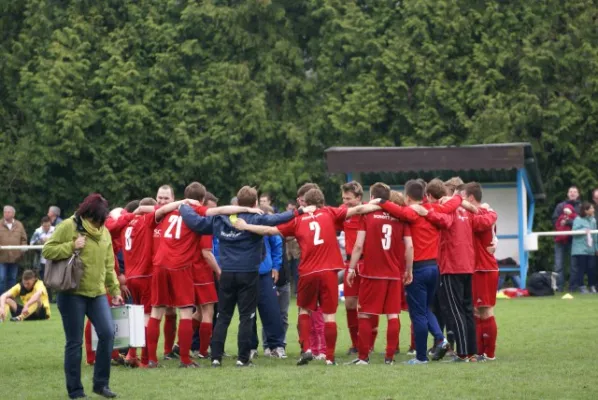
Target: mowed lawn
<point>547,348</point>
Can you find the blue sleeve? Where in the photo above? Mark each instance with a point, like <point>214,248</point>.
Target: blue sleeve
<point>195,222</point>
<point>577,225</point>
<point>276,251</point>
<point>121,262</point>
<point>272,220</point>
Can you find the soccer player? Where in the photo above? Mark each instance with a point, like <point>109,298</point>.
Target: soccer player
<point>240,256</point>
<point>387,244</point>
<point>172,282</point>
<point>424,274</point>
<point>321,260</point>
<point>137,239</point>
<point>35,304</point>
<point>485,277</point>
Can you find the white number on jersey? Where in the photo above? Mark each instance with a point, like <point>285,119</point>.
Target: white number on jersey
<point>174,220</point>
<point>386,241</point>
<point>314,226</point>
<point>128,240</point>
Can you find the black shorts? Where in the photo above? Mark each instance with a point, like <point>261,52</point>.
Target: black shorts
<point>40,314</point>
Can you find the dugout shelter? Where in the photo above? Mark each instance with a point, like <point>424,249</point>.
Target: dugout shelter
<point>508,173</point>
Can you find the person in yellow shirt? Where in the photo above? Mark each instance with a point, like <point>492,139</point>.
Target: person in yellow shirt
<point>35,304</point>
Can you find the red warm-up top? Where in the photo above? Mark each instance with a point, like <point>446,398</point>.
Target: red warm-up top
<point>483,236</point>
<point>423,232</point>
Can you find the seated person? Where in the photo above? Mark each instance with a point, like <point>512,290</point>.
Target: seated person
<point>35,304</point>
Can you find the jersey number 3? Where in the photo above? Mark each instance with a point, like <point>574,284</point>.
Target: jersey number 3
<point>314,226</point>
<point>387,239</point>
<point>174,221</point>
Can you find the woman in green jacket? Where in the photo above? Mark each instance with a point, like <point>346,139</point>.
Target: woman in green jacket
<point>86,233</point>
<point>584,250</point>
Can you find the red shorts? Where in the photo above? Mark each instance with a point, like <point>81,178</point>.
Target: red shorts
<point>485,285</point>
<point>173,287</point>
<point>404,304</point>
<point>205,293</point>
<point>380,296</point>
<point>352,291</point>
<point>319,288</point>
<point>141,292</point>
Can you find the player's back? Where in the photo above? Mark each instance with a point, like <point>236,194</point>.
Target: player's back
<point>137,240</point>
<point>179,246</point>
<point>316,235</point>
<point>384,234</point>
<point>484,260</point>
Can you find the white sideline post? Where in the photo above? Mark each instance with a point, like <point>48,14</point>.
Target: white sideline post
<point>531,239</point>
<point>24,248</point>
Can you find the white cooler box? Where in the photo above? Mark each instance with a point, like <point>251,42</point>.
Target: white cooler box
<point>129,327</point>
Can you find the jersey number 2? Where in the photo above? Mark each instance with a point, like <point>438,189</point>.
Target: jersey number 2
<point>174,220</point>
<point>386,240</point>
<point>314,226</point>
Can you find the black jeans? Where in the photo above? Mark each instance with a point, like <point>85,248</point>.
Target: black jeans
<point>236,288</point>
<point>73,310</point>
<point>456,301</point>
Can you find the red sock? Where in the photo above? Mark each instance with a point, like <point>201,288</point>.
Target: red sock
<point>144,358</point>
<point>153,334</point>
<point>491,331</point>
<point>132,354</point>
<point>89,353</point>
<point>205,336</point>
<point>365,337</point>
<point>115,354</point>
<point>479,334</point>
<point>304,332</point>
<point>392,337</point>
<point>375,321</point>
<point>169,333</point>
<point>412,346</point>
<point>330,333</point>
<point>185,338</point>
<point>353,325</point>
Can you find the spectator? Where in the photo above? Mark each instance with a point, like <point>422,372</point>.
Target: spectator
<point>85,231</point>
<point>33,296</point>
<point>562,250</point>
<point>12,233</point>
<point>40,237</point>
<point>266,201</point>
<point>283,290</point>
<point>54,214</point>
<point>595,201</point>
<point>292,253</point>
<point>583,251</point>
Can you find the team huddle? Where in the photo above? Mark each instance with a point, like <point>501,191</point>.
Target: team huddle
<point>428,251</point>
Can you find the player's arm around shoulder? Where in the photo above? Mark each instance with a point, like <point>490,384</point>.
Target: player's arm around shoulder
<point>242,225</point>
<point>195,222</point>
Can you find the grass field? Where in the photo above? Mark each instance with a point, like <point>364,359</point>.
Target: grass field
<point>546,349</point>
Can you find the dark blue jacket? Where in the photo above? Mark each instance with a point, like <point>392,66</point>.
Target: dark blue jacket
<point>240,251</point>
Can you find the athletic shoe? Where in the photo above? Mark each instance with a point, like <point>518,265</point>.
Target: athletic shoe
<point>320,357</point>
<point>278,352</point>
<point>16,319</point>
<point>267,353</point>
<point>457,359</point>
<point>192,364</point>
<point>216,364</point>
<point>411,352</point>
<point>176,350</point>
<point>593,290</point>
<point>305,358</point>
<point>486,358</point>
<point>389,361</point>
<point>440,350</point>
<point>132,362</point>
<point>171,356</point>
<point>196,354</point>
<point>241,364</point>
<point>415,361</point>
<point>253,354</point>
<point>478,358</point>
<point>226,355</point>
<point>352,350</point>
<point>431,351</point>
<point>120,361</point>
<point>357,361</point>
<point>149,365</point>
<point>331,363</point>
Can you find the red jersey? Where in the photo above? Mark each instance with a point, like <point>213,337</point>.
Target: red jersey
<point>350,227</point>
<point>400,249</point>
<point>316,235</point>
<point>484,230</point>
<point>201,269</point>
<point>425,234</point>
<point>137,238</point>
<point>456,254</point>
<point>384,235</point>
<point>116,226</point>
<point>179,246</point>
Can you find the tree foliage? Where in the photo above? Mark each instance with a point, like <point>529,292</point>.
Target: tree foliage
<point>122,96</point>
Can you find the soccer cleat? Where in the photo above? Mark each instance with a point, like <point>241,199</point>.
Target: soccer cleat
<point>267,352</point>
<point>192,364</point>
<point>457,359</point>
<point>411,351</point>
<point>305,358</point>
<point>486,358</point>
<point>278,352</point>
<point>389,361</point>
<point>320,357</point>
<point>176,350</point>
<point>241,364</point>
<point>415,361</point>
<point>171,356</point>
<point>216,364</point>
<point>16,319</point>
<point>440,350</point>
<point>253,354</point>
<point>351,351</point>
<point>196,354</point>
<point>357,361</point>
<point>331,363</point>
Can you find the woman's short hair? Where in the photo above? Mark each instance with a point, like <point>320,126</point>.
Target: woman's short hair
<point>95,208</point>
<point>584,209</point>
